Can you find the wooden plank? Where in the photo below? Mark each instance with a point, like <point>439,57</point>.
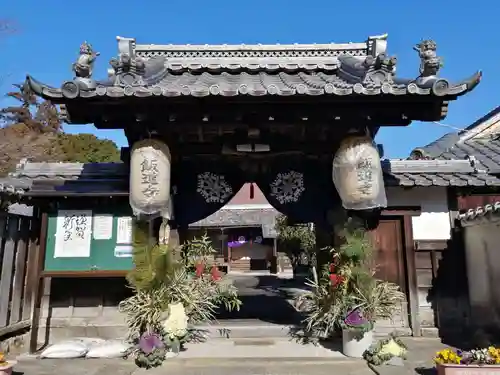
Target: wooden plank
<point>70,274</point>
<point>7,274</point>
<point>31,281</point>
<point>402,211</point>
<point>424,278</point>
<point>428,245</point>
<point>33,234</point>
<point>435,265</point>
<point>411,276</point>
<point>423,260</point>
<point>3,222</point>
<point>13,328</point>
<point>20,270</point>
<point>38,281</point>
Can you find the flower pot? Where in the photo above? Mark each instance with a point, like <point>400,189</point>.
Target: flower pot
<point>355,343</point>
<point>452,369</point>
<point>7,369</point>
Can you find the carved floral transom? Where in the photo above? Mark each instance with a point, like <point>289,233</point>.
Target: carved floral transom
<point>287,187</point>
<point>213,187</point>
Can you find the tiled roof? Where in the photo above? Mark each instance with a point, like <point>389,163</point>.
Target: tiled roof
<point>435,173</point>
<point>64,179</point>
<point>254,70</point>
<point>480,213</point>
<point>484,150</point>
<point>239,217</point>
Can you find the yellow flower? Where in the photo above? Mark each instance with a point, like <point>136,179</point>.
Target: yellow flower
<point>2,358</point>
<point>447,356</point>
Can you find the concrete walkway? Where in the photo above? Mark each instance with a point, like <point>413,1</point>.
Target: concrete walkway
<point>234,357</point>
<point>421,352</point>
<point>196,367</point>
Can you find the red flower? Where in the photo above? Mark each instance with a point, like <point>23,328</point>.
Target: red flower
<point>332,268</point>
<point>215,273</point>
<point>200,267</point>
<point>336,279</point>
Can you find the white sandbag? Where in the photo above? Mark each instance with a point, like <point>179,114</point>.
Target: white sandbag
<point>108,349</point>
<point>66,349</point>
<point>357,174</point>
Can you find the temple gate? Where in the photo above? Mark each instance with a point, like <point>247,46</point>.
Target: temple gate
<point>296,120</point>
<point>202,120</point>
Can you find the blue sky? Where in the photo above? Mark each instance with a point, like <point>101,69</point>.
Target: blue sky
<point>50,33</point>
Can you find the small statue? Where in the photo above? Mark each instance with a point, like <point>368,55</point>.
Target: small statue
<point>379,69</point>
<point>83,66</point>
<point>430,63</point>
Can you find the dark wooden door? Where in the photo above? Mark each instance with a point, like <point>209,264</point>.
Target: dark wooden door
<point>388,253</point>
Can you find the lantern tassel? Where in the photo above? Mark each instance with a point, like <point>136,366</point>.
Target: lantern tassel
<point>252,191</point>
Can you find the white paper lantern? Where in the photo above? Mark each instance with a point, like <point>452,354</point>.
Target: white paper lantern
<point>150,166</point>
<point>357,174</point>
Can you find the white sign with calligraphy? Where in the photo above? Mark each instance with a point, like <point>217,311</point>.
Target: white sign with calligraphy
<point>73,234</point>
<point>150,178</point>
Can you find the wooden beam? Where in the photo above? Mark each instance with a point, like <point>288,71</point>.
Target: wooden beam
<point>411,277</point>
<point>16,327</point>
<point>402,211</point>
<point>89,274</point>
<point>428,245</point>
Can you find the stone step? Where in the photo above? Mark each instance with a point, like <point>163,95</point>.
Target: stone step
<point>246,330</point>
<point>263,330</point>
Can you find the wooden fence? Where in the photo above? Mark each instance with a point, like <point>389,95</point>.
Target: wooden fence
<point>18,242</point>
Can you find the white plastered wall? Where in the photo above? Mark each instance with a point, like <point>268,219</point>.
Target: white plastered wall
<point>434,221</point>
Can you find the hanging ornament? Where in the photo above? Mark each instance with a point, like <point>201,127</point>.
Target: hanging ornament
<point>150,167</point>
<point>287,187</point>
<point>252,191</point>
<point>357,174</point>
<point>213,187</point>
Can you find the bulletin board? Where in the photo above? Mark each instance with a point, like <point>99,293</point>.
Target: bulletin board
<point>96,240</point>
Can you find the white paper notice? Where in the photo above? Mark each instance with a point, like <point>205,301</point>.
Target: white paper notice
<point>124,230</point>
<point>124,251</point>
<point>73,234</point>
<point>103,227</point>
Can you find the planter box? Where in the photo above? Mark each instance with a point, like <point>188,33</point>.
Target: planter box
<point>450,369</point>
<point>7,369</point>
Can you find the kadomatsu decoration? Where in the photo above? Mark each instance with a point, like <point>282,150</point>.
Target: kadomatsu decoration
<point>171,296</point>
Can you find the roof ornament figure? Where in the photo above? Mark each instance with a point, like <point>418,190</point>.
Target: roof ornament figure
<point>85,63</point>
<point>127,69</point>
<point>430,63</point>
<point>379,69</point>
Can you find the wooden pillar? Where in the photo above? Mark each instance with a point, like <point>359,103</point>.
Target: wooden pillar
<point>414,313</point>
<point>274,258</point>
